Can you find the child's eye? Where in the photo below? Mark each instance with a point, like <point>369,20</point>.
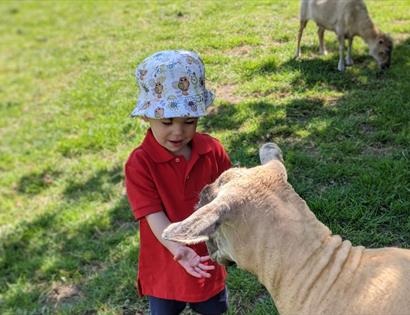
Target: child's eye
<point>166,123</point>
<point>189,122</point>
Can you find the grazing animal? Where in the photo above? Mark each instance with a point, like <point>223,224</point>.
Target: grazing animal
<point>254,218</point>
<point>347,18</point>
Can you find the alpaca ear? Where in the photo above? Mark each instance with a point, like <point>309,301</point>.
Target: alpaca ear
<point>199,225</point>
<point>271,155</point>
<point>270,151</point>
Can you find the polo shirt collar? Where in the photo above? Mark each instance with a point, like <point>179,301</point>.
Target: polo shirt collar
<point>160,155</point>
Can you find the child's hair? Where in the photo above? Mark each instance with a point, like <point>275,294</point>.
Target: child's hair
<point>172,84</point>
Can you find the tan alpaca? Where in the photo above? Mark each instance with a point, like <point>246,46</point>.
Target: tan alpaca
<point>347,18</point>
<point>254,218</point>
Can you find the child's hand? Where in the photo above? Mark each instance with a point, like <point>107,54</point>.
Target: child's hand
<point>184,255</point>
<point>192,262</point>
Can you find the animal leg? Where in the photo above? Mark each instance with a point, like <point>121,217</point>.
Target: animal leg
<point>349,60</point>
<point>341,65</point>
<point>301,28</point>
<point>321,33</point>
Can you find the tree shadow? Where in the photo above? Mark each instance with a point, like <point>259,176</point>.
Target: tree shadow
<point>91,254</point>
<point>99,185</point>
<point>97,253</point>
<point>271,122</point>
<point>333,149</point>
<point>364,74</point>
<point>347,158</point>
<point>323,72</point>
<point>36,182</point>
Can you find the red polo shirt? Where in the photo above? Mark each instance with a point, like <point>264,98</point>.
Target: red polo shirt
<point>156,180</point>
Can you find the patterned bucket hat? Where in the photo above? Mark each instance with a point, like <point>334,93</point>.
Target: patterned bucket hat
<point>172,84</point>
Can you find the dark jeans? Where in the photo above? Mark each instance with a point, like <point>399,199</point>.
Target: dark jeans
<point>216,305</point>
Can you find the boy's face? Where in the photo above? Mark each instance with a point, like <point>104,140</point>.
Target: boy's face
<point>174,134</point>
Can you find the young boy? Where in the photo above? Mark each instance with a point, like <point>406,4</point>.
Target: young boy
<point>164,177</point>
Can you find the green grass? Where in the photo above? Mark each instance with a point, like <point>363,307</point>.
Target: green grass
<point>68,241</point>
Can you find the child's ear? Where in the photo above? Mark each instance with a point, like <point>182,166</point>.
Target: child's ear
<point>144,118</point>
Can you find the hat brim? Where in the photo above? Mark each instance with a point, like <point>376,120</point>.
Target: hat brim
<point>180,107</point>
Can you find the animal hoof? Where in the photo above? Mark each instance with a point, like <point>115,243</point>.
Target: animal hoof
<point>341,65</point>
<point>297,54</point>
<point>270,151</point>
<point>349,62</point>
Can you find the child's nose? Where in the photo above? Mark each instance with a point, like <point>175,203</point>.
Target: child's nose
<point>178,129</point>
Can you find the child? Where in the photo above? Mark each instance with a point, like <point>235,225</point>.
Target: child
<point>164,177</point>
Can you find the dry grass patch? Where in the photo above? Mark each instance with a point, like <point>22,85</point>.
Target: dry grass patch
<point>228,94</point>
<point>378,150</point>
<point>273,93</point>
<point>401,22</point>
<point>400,38</point>
<point>329,100</point>
<point>64,294</point>
<point>240,51</point>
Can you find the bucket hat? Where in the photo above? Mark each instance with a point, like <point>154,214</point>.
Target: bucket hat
<point>172,84</point>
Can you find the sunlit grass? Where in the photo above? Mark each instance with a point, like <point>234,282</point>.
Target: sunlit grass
<point>68,241</point>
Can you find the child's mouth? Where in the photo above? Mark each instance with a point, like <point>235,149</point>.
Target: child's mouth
<point>177,143</point>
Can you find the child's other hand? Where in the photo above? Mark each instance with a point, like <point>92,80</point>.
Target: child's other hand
<point>192,262</point>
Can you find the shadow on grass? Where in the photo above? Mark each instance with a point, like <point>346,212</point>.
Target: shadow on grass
<point>37,182</point>
<point>348,160</point>
<point>99,185</point>
<point>95,254</point>
<point>324,71</point>
<point>271,122</point>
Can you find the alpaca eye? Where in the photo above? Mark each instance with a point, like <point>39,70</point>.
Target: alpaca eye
<point>381,41</point>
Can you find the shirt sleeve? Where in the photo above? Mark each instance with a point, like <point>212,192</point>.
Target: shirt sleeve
<point>141,190</point>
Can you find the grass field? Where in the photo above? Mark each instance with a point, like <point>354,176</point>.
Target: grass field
<point>68,241</point>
